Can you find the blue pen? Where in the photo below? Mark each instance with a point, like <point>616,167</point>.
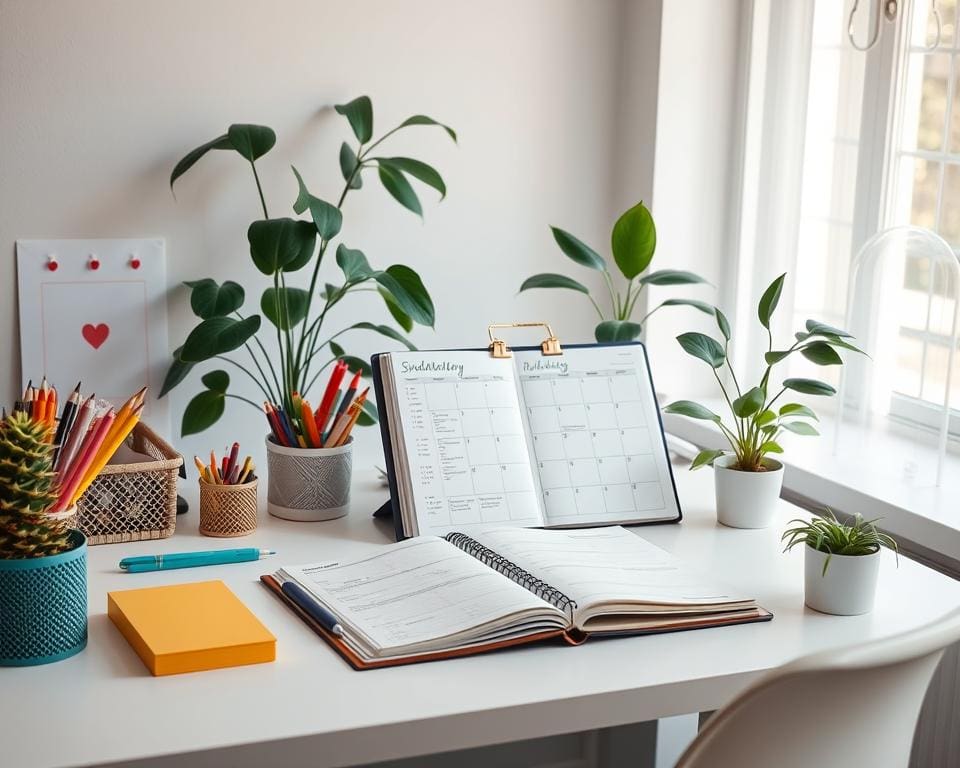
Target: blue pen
<point>287,427</point>
<point>312,607</point>
<point>146,563</point>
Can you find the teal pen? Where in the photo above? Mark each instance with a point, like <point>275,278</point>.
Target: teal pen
<point>191,559</point>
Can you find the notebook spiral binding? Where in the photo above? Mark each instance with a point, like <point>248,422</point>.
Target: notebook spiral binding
<point>513,572</point>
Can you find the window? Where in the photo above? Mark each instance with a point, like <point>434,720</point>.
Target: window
<point>879,147</point>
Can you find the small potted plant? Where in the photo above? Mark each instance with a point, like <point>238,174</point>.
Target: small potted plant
<point>841,562</point>
<point>286,358</point>
<point>43,564</point>
<point>748,480</point>
<point>633,242</point>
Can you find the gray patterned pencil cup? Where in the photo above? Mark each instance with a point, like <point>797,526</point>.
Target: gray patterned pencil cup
<point>309,484</point>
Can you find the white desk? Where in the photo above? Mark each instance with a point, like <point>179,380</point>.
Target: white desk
<point>310,708</point>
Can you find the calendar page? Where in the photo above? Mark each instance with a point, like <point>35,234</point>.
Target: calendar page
<point>592,422</point>
<point>467,460</point>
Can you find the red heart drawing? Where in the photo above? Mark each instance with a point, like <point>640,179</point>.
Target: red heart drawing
<point>95,335</point>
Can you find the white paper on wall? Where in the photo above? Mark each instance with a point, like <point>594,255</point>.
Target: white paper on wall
<point>106,327</point>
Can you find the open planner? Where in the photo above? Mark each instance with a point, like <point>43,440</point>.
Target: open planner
<point>430,598</point>
<point>474,441</point>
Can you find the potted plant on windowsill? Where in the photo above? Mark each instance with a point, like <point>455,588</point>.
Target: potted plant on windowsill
<point>289,358</point>
<point>841,562</point>
<point>748,479</point>
<point>633,242</point>
<point>43,564</point>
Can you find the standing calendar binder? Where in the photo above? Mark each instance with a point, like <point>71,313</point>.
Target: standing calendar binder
<point>544,436</point>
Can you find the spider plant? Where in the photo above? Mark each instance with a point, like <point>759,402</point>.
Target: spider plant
<point>829,535</point>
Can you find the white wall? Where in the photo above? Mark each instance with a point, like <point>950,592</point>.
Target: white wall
<point>99,99</point>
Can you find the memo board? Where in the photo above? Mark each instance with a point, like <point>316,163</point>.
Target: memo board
<point>95,311</point>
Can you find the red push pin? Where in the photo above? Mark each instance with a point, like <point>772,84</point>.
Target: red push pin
<point>134,262</point>
<point>93,262</point>
<point>52,263</point>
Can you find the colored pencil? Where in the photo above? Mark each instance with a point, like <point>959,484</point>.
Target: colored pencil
<point>103,455</point>
<point>350,393</point>
<point>85,460</point>
<point>326,405</point>
<point>80,426</point>
<point>67,418</point>
<point>310,425</point>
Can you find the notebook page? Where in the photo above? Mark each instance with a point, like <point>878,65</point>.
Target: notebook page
<point>607,565</point>
<point>592,420</point>
<point>466,450</point>
<point>418,591</point>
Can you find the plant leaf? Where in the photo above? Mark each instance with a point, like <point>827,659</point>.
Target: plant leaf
<point>251,141</point>
<point>769,300</point>
<point>353,263</point>
<point>176,373</point>
<point>705,459</point>
<point>385,330</point>
<point>777,355</point>
<point>765,418</point>
<point>187,161</point>
<point>810,387</point>
<point>277,244</point>
<point>816,328</point>
<point>704,347</point>
<point>671,277</point>
<point>577,250</point>
<point>326,218</point>
<point>800,427</point>
<point>836,341</point>
<point>218,381</point>
<point>207,299</point>
<point>821,353</point>
<point>359,114</point>
<point>403,319</point>
<point>552,280</point>
<point>692,409</point>
<point>617,330</point>
<point>749,403</point>
<point>796,409</point>
<point>634,240</point>
<point>399,188</point>
<point>722,323</point>
<point>424,120</point>
<point>202,412</point>
<point>217,335</point>
<point>701,305</point>
<point>770,446</point>
<point>419,170</point>
<point>289,315</point>
<point>348,163</point>
<point>407,289</point>
<point>368,415</point>
<point>337,350</point>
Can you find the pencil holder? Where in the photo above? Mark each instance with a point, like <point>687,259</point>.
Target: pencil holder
<point>43,605</point>
<point>228,510</point>
<point>309,484</point>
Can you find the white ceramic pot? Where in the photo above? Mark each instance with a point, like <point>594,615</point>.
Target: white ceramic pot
<point>746,499</point>
<point>309,484</point>
<point>848,586</point>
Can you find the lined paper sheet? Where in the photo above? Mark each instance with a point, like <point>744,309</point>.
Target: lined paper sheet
<point>405,597</point>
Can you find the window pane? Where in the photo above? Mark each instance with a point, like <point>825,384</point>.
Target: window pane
<point>933,101</point>
<point>935,377</point>
<point>918,183</point>
<point>950,215</point>
<point>925,26</point>
<point>906,378</point>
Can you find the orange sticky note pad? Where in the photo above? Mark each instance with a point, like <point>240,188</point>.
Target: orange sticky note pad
<point>190,627</point>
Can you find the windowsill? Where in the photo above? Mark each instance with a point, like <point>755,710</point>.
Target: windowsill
<point>876,471</point>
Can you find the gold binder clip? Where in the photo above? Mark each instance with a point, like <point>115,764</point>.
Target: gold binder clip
<point>499,348</point>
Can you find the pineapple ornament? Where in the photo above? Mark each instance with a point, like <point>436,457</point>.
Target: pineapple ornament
<point>43,564</point>
<point>28,491</point>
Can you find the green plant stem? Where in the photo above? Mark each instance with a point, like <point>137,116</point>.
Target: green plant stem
<point>614,298</point>
<point>643,320</point>
<point>255,380</point>
<point>631,302</point>
<point>595,306</point>
<point>266,357</point>
<point>317,375</point>
<point>726,397</point>
<point>256,178</point>
<point>243,399</point>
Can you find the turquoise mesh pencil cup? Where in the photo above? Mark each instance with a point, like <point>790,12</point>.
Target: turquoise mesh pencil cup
<point>43,606</point>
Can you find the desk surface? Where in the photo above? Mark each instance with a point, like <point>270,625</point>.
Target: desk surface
<point>103,706</point>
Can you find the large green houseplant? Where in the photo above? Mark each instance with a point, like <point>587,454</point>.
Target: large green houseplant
<point>290,353</point>
<point>748,479</point>
<point>632,243</point>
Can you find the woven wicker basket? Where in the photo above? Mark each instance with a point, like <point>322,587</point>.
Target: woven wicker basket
<point>133,502</point>
<point>228,510</point>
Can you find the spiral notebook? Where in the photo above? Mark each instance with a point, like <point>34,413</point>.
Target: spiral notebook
<point>431,598</point>
<point>475,441</point>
